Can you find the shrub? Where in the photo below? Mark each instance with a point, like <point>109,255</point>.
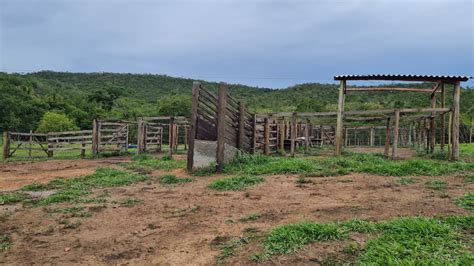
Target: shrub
<point>55,122</point>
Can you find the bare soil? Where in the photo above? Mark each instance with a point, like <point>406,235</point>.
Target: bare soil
<point>184,224</point>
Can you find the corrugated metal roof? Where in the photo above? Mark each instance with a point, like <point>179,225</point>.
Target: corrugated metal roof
<point>402,77</point>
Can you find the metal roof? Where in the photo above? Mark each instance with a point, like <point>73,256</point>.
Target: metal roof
<point>402,77</point>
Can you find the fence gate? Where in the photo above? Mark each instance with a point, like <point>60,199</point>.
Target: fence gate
<point>153,137</point>
<point>25,145</point>
<point>111,136</point>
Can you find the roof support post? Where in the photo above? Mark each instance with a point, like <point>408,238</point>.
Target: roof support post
<point>387,138</point>
<point>395,134</point>
<point>443,120</point>
<point>455,122</point>
<point>340,113</point>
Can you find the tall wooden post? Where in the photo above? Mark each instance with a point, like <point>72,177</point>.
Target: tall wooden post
<point>254,134</point>
<point>6,145</point>
<point>50,146</point>
<point>450,122</point>
<point>410,132</point>
<point>221,105</point>
<point>340,113</point>
<point>240,141</point>
<point>171,137</point>
<point>306,137</point>
<point>282,137</point>
<point>387,138</point>
<point>443,119</point>
<point>293,134</point>
<point>95,138</point>
<point>266,136</point>
<point>455,122</point>
<point>433,124</point>
<point>372,136</point>
<point>140,135</point>
<point>395,134</point>
<point>193,125</point>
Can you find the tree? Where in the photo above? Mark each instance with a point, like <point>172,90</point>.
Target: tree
<point>175,105</point>
<point>55,122</point>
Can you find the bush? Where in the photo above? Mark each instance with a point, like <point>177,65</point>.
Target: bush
<point>55,122</point>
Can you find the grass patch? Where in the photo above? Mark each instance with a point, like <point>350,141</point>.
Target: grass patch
<point>469,179</point>
<point>436,184</point>
<point>236,183</point>
<point>250,217</point>
<point>302,180</point>
<point>406,180</point>
<point>74,189</point>
<point>172,179</point>
<point>12,197</point>
<point>466,201</point>
<point>5,242</point>
<point>228,249</point>
<point>145,163</point>
<point>71,212</point>
<point>349,162</point>
<point>128,202</point>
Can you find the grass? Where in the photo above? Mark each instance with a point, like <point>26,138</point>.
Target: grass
<point>436,184</point>
<point>469,178</point>
<point>401,241</point>
<point>250,217</point>
<point>228,249</point>
<point>236,183</point>
<point>172,179</point>
<point>466,201</point>
<point>75,189</point>
<point>12,197</point>
<point>146,163</point>
<point>5,242</point>
<point>406,180</point>
<point>350,162</point>
<point>71,212</point>
<point>128,202</point>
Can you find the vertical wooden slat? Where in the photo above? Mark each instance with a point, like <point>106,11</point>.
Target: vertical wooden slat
<point>94,138</point>
<point>433,124</point>
<point>282,137</point>
<point>193,124</point>
<point>372,136</point>
<point>6,145</point>
<point>306,137</point>
<point>126,138</point>
<point>455,121</point>
<point>254,134</point>
<point>221,105</point>
<point>340,113</point>
<point>186,129</point>
<point>140,135</point>
<point>240,143</point>
<point>443,119</point>
<point>450,122</point>
<point>266,136</point>
<point>293,134</point>
<point>387,138</point>
<point>50,146</point>
<point>171,137</point>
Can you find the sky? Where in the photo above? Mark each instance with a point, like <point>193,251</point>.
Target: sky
<point>260,43</point>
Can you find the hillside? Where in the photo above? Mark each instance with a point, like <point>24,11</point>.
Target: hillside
<point>83,96</point>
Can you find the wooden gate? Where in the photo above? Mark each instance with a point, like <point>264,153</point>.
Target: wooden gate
<point>110,136</point>
<point>153,137</point>
<point>25,145</point>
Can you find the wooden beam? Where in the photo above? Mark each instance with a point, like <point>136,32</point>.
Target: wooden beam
<point>221,106</point>
<point>436,87</point>
<point>266,137</point>
<point>340,114</point>
<point>171,137</point>
<point>240,143</point>
<point>6,145</point>
<point>360,89</point>
<point>395,134</point>
<point>293,134</point>
<point>455,125</point>
<point>281,140</point>
<point>95,138</point>
<point>193,126</point>
<point>306,137</point>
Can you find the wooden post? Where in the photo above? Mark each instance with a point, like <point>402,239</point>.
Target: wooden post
<point>266,136</point>
<point>221,105</point>
<point>293,134</point>
<point>254,134</point>
<point>95,138</point>
<point>83,147</point>
<point>433,124</point>
<point>340,114</point>
<point>443,120</point>
<point>6,145</point>
<point>450,122</point>
<point>126,138</point>
<point>50,145</point>
<point>372,136</point>
<point>171,137</point>
<point>306,137</point>
<point>175,137</point>
<point>282,137</point>
<point>387,138</point>
<point>395,134</point>
<point>425,136</point>
<point>240,143</point>
<point>140,136</point>
<point>193,125</point>
<point>455,122</point>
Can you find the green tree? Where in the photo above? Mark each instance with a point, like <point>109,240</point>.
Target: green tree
<point>55,122</point>
<point>175,104</point>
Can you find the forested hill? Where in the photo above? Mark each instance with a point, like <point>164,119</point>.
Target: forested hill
<point>25,98</point>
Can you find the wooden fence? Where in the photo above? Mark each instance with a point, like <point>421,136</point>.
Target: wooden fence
<point>109,136</point>
<point>70,140</point>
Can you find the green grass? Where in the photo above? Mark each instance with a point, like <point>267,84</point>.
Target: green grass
<point>12,197</point>
<point>401,241</point>
<point>128,202</point>
<point>466,201</point>
<point>250,217</point>
<point>228,249</point>
<point>467,149</point>
<point>75,189</point>
<point>71,212</point>
<point>406,180</point>
<point>5,242</point>
<point>236,183</point>
<point>436,184</point>
<point>145,163</point>
<point>172,179</point>
<point>469,178</point>
<point>350,162</point>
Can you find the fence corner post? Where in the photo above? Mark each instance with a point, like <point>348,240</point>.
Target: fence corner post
<point>221,106</point>
<point>95,138</point>
<point>241,126</point>
<point>193,125</point>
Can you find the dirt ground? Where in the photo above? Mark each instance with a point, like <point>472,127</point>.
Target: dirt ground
<point>183,224</point>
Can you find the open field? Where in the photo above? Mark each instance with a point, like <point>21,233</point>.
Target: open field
<point>270,210</point>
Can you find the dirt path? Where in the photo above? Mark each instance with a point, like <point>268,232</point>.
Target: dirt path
<point>14,175</point>
<point>175,225</point>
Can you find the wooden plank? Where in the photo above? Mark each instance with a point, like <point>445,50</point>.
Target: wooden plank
<point>293,134</point>
<point>241,126</point>
<point>387,138</point>
<point>340,114</point>
<point>455,122</point>
<point>266,137</point>
<point>306,137</point>
<point>361,89</point>
<point>433,124</point>
<point>443,119</point>
<point>95,138</point>
<point>221,105</point>
<point>254,134</point>
<point>396,130</point>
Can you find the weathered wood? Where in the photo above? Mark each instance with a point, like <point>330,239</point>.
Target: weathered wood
<point>293,134</point>
<point>281,140</point>
<point>221,105</point>
<point>360,89</point>
<point>306,137</point>
<point>340,114</point>
<point>30,143</point>
<point>450,122</point>
<point>171,137</point>
<point>372,136</point>
<point>6,145</point>
<point>241,126</point>
<point>266,137</point>
<point>387,138</point>
<point>140,135</point>
<point>455,122</point>
<point>433,124</point>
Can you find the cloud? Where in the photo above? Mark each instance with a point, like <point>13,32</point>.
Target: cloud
<point>266,43</point>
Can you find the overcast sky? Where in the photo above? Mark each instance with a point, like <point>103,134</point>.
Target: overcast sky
<point>265,43</point>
